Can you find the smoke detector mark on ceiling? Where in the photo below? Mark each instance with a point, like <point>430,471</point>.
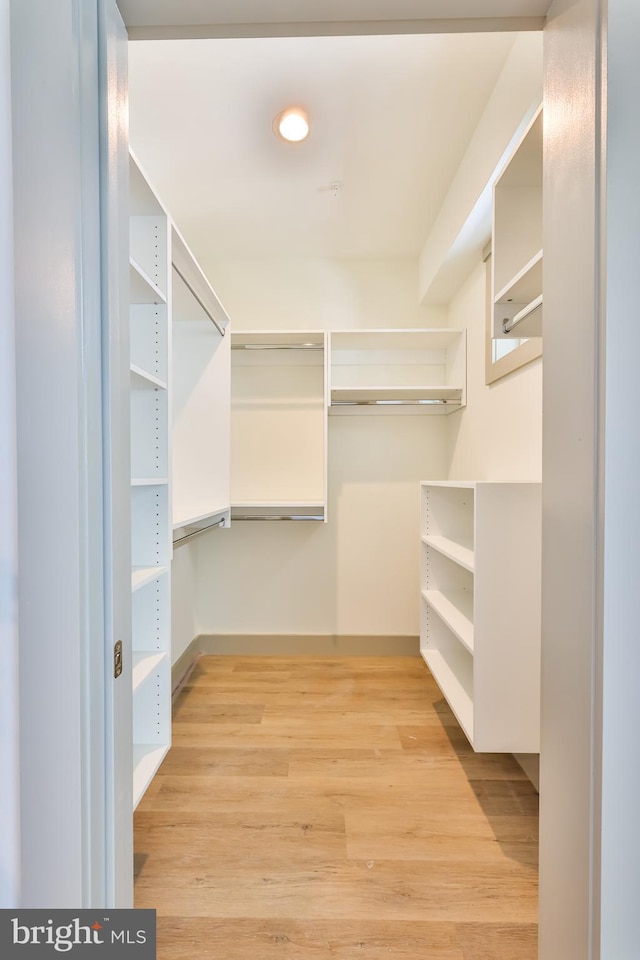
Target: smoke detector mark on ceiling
<point>334,188</point>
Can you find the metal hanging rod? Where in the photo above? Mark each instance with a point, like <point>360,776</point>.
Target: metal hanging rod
<point>196,533</point>
<point>509,324</point>
<point>393,403</point>
<point>270,516</point>
<point>221,330</point>
<point>277,346</point>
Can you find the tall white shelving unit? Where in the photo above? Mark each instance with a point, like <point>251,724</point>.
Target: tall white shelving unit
<point>150,298</point>
<point>279,425</point>
<point>180,402</point>
<point>397,371</point>
<point>480,607</point>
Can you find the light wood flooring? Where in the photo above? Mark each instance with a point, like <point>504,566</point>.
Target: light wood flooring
<point>332,808</point>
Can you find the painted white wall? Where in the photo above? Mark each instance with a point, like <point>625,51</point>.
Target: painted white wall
<point>498,435</point>
<point>314,294</point>
<point>358,574</point>
<point>453,237</point>
<point>184,579</point>
<point>9,741</point>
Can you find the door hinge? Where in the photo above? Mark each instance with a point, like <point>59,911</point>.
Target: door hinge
<point>117,659</point>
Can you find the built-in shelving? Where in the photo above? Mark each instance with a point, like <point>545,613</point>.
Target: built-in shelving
<point>397,371</point>
<point>279,425</point>
<point>517,259</point>
<point>150,300</point>
<point>480,607</point>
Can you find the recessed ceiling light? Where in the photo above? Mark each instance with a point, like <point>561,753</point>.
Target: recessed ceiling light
<point>292,124</point>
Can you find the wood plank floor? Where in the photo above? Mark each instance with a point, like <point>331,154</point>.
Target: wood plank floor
<point>332,808</point>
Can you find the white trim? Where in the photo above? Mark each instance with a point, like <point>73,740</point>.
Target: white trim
<point>9,739</point>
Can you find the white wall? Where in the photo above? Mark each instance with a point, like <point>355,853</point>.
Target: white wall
<point>9,754</point>
<point>183,598</point>
<point>498,435</point>
<point>358,574</point>
<point>314,294</point>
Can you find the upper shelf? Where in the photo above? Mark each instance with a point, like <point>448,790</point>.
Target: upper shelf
<point>397,371</point>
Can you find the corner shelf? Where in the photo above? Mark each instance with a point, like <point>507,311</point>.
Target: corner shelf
<point>480,629</point>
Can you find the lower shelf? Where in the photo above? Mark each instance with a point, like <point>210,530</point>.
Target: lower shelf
<point>143,666</point>
<point>453,680</point>
<point>147,758</point>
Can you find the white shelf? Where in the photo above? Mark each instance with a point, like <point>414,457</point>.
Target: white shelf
<point>141,576</point>
<point>461,553</point>
<point>142,289</point>
<point>275,509</point>
<point>448,679</point>
<point>392,394</point>
<point>142,379</point>
<point>456,610</point>
<point>149,481</point>
<point>526,285</point>
<point>277,339</point>
<point>400,339</point>
<point>397,371</point>
<point>143,665</point>
<point>189,519</point>
<point>146,760</point>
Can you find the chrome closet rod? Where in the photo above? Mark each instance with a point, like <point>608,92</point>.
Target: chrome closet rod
<point>196,533</point>
<point>270,516</point>
<point>277,346</point>
<point>391,403</point>
<point>509,324</point>
<point>221,330</point>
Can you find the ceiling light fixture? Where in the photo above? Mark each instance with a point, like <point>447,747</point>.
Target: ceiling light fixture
<point>292,124</point>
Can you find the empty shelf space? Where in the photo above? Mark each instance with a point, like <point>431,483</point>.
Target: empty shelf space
<point>142,379</point>
<point>140,576</point>
<point>146,760</point>
<point>456,610</point>
<point>448,679</point>
<point>459,552</point>
<point>142,288</point>
<point>143,665</point>
<point>396,394</point>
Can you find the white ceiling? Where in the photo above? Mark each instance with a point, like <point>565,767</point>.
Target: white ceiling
<point>391,118</point>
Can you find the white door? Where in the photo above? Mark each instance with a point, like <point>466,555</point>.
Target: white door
<point>115,341</point>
